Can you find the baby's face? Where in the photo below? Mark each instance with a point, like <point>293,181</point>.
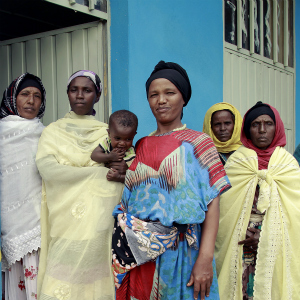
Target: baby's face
<point>121,137</point>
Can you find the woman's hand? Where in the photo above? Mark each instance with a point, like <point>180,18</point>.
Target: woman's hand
<point>120,166</point>
<point>201,277</point>
<point>252,238</point>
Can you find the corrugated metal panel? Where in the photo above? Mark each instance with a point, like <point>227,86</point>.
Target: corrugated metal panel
<point>248,80</point>
<point>54,56</point>
<point>5,62</point>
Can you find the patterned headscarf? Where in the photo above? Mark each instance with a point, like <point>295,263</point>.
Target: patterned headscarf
<point>90,75</point>
<point>9,100</point>
<point>278,140</point>
<point>234,142</point>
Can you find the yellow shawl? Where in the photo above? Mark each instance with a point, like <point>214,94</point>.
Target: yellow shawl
<point>277,273</point>
<point>235,142</point>
<point>76,214</point>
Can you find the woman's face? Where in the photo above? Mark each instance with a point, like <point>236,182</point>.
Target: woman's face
<point>222,125</point>
<point>166,102</point>
<point>28,102</point>
<point>82,95</point>
<point>262,131</point>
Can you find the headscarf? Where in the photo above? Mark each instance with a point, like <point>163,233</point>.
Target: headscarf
<point>9,100</point>
<point>175,74</point>
<point>29,82</point>
<point>257,110</point>
<point>278,140</point>
<point>234,142</point>
<point>90,75</point>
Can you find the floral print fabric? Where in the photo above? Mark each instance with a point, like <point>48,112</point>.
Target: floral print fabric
<point>21,278</point>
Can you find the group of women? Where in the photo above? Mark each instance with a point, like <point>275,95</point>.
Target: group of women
<point>210,215</point>
<point>256,249</point>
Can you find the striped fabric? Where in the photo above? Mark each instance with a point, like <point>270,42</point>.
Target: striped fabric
<point>204,150</point>
<point>153,161</point>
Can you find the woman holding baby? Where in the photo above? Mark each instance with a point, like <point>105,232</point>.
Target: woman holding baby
<point>166,226</point>
<point>76,221</point>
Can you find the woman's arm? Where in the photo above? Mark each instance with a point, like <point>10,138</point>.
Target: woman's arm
<point>252,238</point>
<point>51,170</point>
<point>202,273</point>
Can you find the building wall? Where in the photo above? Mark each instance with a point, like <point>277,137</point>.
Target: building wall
<point>145,32</point>
<point>297,54</point>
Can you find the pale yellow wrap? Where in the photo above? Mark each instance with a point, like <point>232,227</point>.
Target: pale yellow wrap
<point>277,275</point>
<point>235,141</point>
<point>76,216</point>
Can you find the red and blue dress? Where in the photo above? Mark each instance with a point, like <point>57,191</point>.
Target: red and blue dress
<point>157,232</point>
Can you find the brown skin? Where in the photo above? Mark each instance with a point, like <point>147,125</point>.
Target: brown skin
<point>121,140</point>
<point>166,103</point>
<point>222,125</point>
<point>121,137</point>
<point>262,133</point>
<point>99,156</point>
<point>119,166</point>
<point>202,273</point>
<point>252,238</point>
<point>28,102</point>
<point>82,95</point>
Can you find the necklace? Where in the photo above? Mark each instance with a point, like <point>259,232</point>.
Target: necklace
<point>176,129</point>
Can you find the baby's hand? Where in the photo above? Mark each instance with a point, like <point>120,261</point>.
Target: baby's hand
<point>113,175</point>
<point>117,154</point>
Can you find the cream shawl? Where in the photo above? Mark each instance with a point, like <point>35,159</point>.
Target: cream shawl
<point>21,187</point>
<point>277,273</point>
<point>76,216</point>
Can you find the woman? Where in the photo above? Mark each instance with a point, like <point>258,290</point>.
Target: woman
<point>77,201</point>
<point>223,122</point>
<point>257,248</point>
<point>22,107</point>
<point>165,230</point>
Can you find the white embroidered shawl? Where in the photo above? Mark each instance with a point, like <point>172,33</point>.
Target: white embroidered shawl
<point>21,187</point>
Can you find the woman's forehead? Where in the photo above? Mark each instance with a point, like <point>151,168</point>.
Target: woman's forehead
<point>161,83</point>
<point>263,118</point>
<point>82,81</point>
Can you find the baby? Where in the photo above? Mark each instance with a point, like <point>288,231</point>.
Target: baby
<point>118,145</point>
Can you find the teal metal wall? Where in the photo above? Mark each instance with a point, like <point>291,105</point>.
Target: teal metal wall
<point>187,32</point>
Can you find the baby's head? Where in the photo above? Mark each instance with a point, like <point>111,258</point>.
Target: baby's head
<point>122,129</point>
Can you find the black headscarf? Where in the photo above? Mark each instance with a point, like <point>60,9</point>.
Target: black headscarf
<point>9,100</point>
<point>257,110</point>
<point>174,73</point>
<point>29,81</point>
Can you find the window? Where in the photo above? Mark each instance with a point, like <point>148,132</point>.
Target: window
<point>93,4</point>
<point>264,27</point>
<point>259,57</point>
